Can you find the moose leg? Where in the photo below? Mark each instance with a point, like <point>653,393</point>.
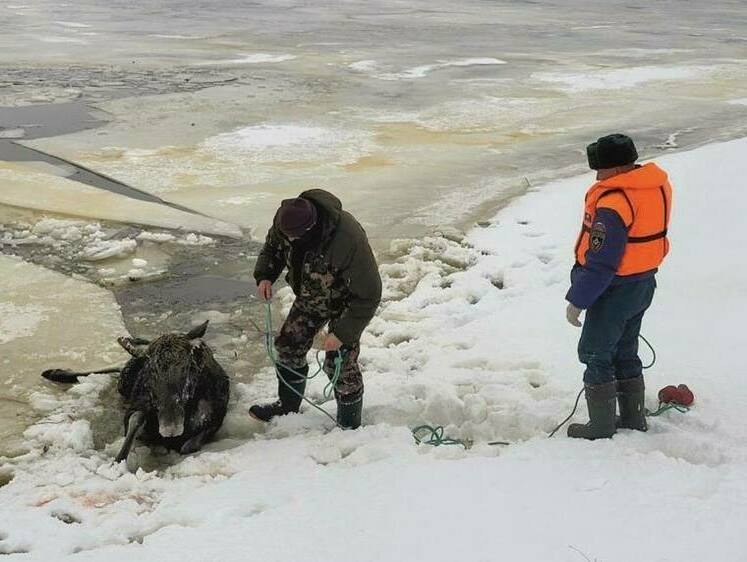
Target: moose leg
<point>194,444</point>
<point>71,377</point>
<point>134,426</point>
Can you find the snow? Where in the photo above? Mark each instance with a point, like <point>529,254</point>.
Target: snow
<point>421,71</point>
<point>14,133</point>
<point>253,58</point>
<point>72,24</point>
<point>620,78</point>
<point>363,66</point>
<point>158,237</point>
<point>106,249</point>
<point>288,143</point>
<point>23,187</point>
<point>472,335</point>
<point>54,39</point>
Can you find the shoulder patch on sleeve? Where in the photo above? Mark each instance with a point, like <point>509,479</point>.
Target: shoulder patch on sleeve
<point>597,236</point>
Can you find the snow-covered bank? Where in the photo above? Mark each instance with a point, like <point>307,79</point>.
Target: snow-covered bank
<point>481,346</point>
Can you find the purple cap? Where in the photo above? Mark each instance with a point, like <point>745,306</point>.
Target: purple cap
<point>296,216</point>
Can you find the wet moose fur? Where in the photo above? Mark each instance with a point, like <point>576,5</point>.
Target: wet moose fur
<point>176,391</point>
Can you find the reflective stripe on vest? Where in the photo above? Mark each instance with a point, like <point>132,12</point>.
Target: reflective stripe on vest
<point>647,234</point>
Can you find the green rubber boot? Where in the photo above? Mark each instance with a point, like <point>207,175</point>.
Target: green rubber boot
<point>630,397</point>
<point>601,401</point>
<point>349,410</point>
<point>288,401</point>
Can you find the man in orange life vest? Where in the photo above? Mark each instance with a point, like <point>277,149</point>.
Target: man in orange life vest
<point>622,243</point>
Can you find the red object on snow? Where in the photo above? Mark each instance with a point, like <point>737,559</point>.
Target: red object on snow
<point>686,396</point>
<point>680,395</point>
<point>668,394</point>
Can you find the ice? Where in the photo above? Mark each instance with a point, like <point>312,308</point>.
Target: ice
<point>287,142</point>
<point>48,320</point>
<point>621,78</point>
<point>65,241</point>
<point>19,321</point>
<point>159,237</point>
<point>15,133</point>
<point>192,239</point>
<point>488,363</point>
<point>33,190</point>
<point>253,58</point>
<point>71,40</point>
<point>363,66</point>
<point>422,71</point>
<point>106,249</point>
<point>72,24</point>
<point>408,154</point>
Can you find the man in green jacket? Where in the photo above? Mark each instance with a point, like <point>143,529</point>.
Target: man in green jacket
<point>335,278</point>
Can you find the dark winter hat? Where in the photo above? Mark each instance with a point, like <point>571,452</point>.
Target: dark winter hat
<point>611,151</point>
<point>296,216</point>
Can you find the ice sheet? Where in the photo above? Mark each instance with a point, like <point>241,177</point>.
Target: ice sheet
<point>22,187</point>
<point>48,320</point>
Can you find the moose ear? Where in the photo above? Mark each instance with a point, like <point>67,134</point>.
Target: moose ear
<point>198,331</point>
<point>130,346</point>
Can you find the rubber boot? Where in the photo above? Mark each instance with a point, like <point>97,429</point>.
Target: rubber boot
<point>601,402</point>
<point>630,397</point>
<point>288,401</point>
<point>349,410</point>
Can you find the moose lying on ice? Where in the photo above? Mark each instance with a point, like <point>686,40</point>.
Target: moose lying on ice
<point>176,392</point>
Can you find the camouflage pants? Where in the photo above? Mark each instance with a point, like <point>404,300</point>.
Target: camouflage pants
<point>296,338</point>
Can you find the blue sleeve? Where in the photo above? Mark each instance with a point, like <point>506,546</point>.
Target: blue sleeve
<point>608,238</point>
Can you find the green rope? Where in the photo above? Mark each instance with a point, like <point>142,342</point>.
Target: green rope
<point>328,389</point>
<point>429,435</point>
<point>665,407</point>
<point>423,435</point>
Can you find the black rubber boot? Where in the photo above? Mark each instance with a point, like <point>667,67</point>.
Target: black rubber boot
<point>601,400</point>
<point>288,402</point>
<point>630,397</point>
<point>349,410</point>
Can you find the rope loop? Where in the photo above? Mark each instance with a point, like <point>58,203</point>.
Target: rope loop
<point>430,435</point>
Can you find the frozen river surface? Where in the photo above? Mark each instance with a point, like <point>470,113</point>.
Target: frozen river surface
<point>419,115</point>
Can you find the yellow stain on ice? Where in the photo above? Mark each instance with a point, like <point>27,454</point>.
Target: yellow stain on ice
<point>409,134</point>
<point>368,162</point>
<point>293,164</point>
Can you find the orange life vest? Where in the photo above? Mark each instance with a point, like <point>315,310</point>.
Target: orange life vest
<point>643,199</point>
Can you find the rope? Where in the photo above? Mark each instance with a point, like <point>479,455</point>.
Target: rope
<point>575,407</point>
<point>423,434</point>
<point>665,407</point>
<point>328,389</point>
<point>653,352</point>
<point>429,435</point>
<point>662,407</point>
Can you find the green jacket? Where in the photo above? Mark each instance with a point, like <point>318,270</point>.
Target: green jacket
<point>339,278</point>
